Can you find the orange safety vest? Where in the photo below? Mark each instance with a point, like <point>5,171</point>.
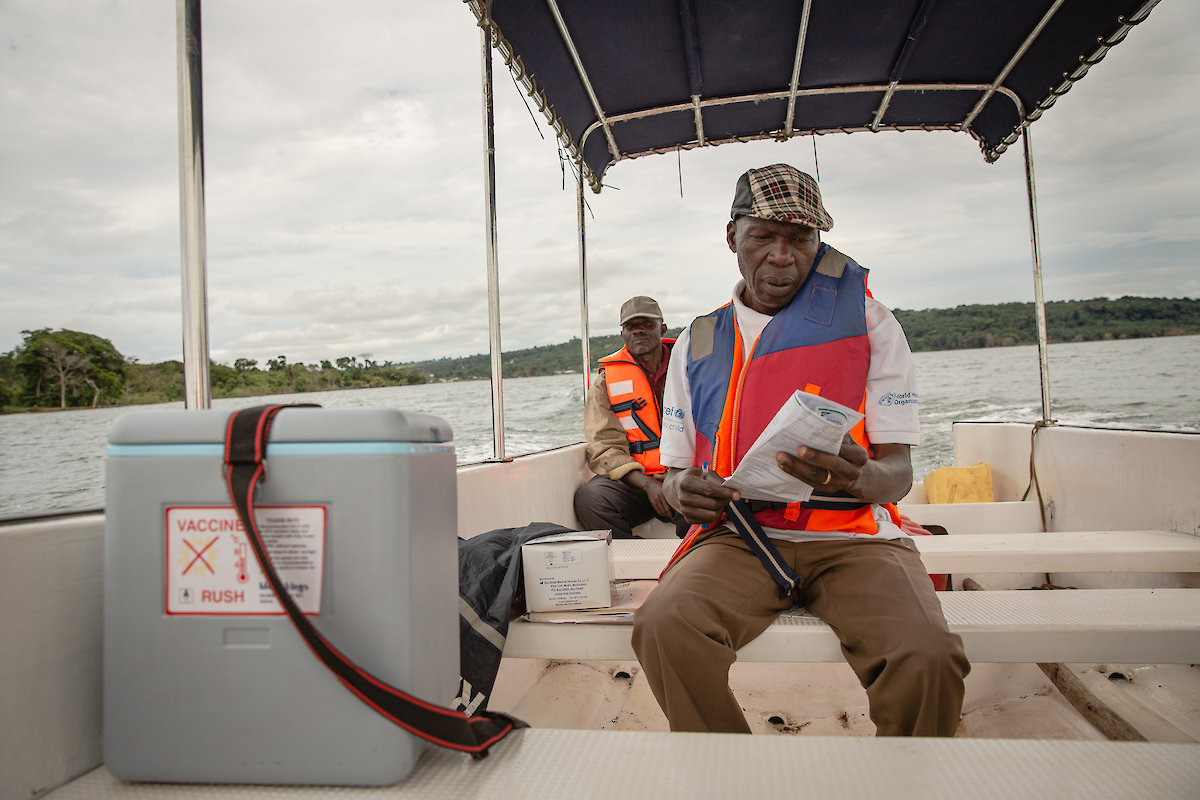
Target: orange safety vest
<point>637,408</point>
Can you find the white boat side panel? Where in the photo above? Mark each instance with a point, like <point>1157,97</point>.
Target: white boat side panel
<point>1004,446</point>
<point>50,623</point>
<point>916,494</point>
<point>972,518</point>
<point>1091,478</point>
<point>607,764</point>
<point>509,494</point>
<point>1120,479</point>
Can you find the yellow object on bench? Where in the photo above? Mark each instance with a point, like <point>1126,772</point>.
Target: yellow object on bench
<point>960,484</point>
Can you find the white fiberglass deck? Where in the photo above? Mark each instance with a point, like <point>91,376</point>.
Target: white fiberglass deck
<point>608,764</point>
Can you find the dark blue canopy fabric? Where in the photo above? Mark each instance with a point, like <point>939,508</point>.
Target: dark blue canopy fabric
<point>624,78</point>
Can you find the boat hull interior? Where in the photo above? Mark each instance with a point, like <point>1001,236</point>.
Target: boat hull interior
<point>51,582</point>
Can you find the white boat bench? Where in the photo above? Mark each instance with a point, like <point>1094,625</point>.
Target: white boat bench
<point>1134,626</point>
<point>1063,551</point>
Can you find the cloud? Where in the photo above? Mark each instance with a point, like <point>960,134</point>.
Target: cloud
<point>344,201</point>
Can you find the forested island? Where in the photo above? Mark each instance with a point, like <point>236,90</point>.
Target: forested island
<point>72,369</point>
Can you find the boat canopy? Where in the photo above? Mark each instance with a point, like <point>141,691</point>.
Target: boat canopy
<point>621,79</point>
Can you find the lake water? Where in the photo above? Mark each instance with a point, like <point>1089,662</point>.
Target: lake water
<point>55,461</point>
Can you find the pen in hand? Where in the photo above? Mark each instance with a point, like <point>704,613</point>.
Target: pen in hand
<point>704,467</point>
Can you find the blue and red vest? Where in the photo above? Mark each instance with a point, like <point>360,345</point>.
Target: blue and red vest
<point>817,343</point>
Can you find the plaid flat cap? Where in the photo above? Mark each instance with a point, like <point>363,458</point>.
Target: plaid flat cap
<point>782,193</point>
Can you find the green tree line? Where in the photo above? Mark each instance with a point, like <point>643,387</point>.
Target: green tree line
<point>71,369</point>
<point>1007,324</point>
<point>960,328</point>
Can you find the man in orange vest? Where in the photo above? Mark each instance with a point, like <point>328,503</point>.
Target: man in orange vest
<point>800,319</point>
<point>622,423</point>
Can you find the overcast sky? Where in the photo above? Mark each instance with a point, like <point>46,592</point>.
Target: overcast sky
<point>345,202</point>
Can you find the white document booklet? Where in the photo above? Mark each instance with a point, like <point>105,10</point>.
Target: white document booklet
<point>804,420</point>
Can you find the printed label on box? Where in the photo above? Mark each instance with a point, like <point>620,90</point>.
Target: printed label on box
<point>568,570</point>
<point>211,569</point>
<point>570,592</point>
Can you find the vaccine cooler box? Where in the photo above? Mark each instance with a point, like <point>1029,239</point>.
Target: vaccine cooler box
<point>205,679</point>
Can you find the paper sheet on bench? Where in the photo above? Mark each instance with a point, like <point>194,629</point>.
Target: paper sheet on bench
<point>627,595</point>
<point>803,420</point>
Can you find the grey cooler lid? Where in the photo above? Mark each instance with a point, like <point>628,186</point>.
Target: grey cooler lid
<point>298,424</point>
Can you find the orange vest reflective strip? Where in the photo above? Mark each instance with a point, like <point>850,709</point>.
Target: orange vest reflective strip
<point>723,447</point>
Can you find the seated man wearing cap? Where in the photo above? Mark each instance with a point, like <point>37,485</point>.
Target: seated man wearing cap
<point>801,318</point>
<point>622,422</point>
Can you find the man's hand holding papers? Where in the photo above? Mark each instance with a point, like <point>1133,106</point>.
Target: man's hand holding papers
<point>804,420</point>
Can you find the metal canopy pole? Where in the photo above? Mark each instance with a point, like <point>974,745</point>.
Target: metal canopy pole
<point>197,392</point>
<point>1038,300</point>
<point>583,296</point>
<point>489,212</point>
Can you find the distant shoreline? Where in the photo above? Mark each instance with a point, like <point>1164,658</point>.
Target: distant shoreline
<point>86,368</point>
<point>44,410</point>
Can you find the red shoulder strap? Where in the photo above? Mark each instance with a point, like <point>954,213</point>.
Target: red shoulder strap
<point>246,436</point>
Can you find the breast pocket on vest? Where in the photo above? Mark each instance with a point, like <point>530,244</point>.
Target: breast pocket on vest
<point>820,305</point>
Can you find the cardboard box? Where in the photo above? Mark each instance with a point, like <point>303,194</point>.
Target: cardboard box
<point>568,570</point>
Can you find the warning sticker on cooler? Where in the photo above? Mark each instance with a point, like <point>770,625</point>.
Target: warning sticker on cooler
<point>211,568</point>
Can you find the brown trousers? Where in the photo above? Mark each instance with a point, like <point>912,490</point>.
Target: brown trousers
<point>874,593</point>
